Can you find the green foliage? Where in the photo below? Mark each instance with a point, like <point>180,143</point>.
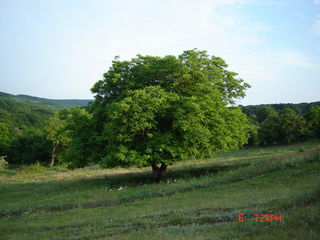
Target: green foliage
<point>27,134</point>
<point>3,163</point>
<point>300,108</point>
<point>21,114</point>
<point>4,137</point>
<point>193,72</point>
<point>292,126</point>
<point>265,112</point>
<point>278,125</point>
<point>69,131</point>
<point>29,147</point>
<point>21,138</point>
<point>154,110</point>
<point>273,127</point>
<point>78,131</point>
<point>137,132</point>
<point>57,134</point>
<point>313,119</point>
<point>269,129</point>
<point>253,139</point>
<point>56,130</point>
<point>34,168</point>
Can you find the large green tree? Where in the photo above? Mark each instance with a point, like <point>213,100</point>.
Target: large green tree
<point>158,110</point>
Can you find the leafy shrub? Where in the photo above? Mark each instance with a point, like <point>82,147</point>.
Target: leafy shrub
<point>29,147</point>
<point>34,168</point>
<point>3,162</point>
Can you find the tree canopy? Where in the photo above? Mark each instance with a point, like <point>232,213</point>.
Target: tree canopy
<point>69,132</point>
<point>159,110</point>
<point>313,117</point>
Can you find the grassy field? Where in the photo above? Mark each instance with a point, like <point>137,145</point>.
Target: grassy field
<point>199,199</point>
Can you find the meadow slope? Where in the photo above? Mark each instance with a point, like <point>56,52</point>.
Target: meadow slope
<point>199,199</point>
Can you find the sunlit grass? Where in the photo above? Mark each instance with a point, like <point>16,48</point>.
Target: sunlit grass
<point>195,201</point>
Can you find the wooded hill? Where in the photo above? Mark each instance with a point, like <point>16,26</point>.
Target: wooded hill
<point>24,111</point>
<point>22,119</point>
<point>59,103</point>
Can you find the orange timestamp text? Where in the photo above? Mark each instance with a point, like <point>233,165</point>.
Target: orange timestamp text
<point>262,218</point>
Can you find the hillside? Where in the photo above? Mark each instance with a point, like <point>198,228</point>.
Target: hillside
<point>22,119</point>
<point>200,199</point>
<point>54,104</point>
<point>59,103</point>
<point>26,111</point>
<point>19,113</point>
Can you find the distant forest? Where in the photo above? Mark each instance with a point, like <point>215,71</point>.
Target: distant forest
<point>24,121</point>
<point>56,103</point>
<point>282,123</point>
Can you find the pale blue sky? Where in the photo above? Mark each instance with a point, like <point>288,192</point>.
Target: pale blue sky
<point>60,48</point>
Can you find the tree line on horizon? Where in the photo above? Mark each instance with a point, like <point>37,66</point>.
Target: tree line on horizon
<point>23,127</point>
<point>138,119</point>
<point>286,125</point>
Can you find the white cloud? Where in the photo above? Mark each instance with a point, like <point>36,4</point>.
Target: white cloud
<point>147,27</point>
<point>171,27</point>
<point>178,25</point>
<point>167,28</point>
<point>317,2</point>
<point>174,26</point>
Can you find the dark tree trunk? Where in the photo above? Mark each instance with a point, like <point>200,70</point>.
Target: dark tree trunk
<point>158,172</point>
<point>53,156</point>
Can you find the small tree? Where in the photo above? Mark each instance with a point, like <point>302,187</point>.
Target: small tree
<point>157,111</point>
<point>3,163</point>
<point>78,130</point>
<point>57,135</point>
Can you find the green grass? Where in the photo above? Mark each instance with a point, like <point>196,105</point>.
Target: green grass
<point>199,199</point>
